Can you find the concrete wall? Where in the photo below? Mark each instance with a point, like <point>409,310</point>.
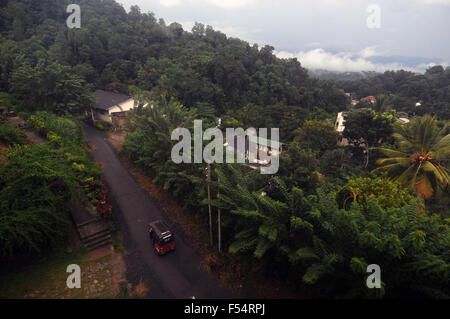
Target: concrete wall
<point>126,106</point>
<point>104,117</point>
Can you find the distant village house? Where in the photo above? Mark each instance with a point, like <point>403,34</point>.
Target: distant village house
<point>265,147</point>
<point>370,99</point>
<point>340,127</point>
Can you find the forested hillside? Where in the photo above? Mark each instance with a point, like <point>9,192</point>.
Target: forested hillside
<point>406,89</point>
<point>317,224</point>
<point>113,50</point>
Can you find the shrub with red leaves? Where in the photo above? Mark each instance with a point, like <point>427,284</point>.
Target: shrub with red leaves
<point>103,208</point>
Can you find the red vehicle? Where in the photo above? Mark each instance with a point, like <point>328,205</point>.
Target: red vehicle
<point>162,238</point>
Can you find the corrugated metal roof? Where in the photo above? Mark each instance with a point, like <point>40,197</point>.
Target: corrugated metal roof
<point>106,100</point>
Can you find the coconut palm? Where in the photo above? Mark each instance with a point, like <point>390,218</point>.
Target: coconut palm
<point>422,158</point>
<point>381,103</point>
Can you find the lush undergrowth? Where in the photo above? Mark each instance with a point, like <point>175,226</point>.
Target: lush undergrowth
<point>37,183</point>
<point>303,227</point>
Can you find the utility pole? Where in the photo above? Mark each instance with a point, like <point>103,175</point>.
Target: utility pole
<point>208,176</point>
<point>92,115</point>
<point>219,220</point>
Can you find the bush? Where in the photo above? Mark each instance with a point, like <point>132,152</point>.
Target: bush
<point>317,135</point>
<point>35,187</point>
<point>410,247</point>
<point>8,101</point>
<point>54,138</point>
<point>36,184</point>
<point>99,126</point>
<point>48,123</point>
<point>10,134</point>
<point>24,116</point>
<point>388,194</point>
<point>102,125</point>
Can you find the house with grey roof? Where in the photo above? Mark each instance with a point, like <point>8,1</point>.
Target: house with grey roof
<point>109,105</point>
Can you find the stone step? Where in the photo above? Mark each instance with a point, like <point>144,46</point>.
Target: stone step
<point>100,244</point>
<point>87,222</point>
<point>96,240</point>
<point>96,235</point>
<point>92,228</point>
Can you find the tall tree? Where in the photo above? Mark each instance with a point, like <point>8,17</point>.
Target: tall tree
<point>319,136</point>
<point>381,103</point>
<point>422,156</point>
<point>367,128</point>
<point>52,87</point>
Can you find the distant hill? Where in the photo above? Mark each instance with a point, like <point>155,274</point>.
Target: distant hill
<point>115,50</point>
<point>405,89</point>
<point>341,76</point>
<point>408,62</point>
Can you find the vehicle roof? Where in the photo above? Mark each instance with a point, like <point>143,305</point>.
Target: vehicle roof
<point>161,228</point>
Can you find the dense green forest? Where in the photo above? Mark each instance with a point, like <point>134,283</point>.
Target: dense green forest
<point>405,89</point>
<point>324,217</point>
<point>37,183</point>
<point>328,213</point>
<point>114,50</point>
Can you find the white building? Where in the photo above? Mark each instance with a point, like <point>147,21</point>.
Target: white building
<point>265,150</point>
<point>108,105</point>
<point>340,120</point>
<point>340,127</point>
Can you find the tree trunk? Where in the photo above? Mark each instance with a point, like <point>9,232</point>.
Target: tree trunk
<point>367,155</point>
<point>219,222</point>
<point>208,174</point>
<point>93,120</point>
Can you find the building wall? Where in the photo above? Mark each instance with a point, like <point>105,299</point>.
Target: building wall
<point>102,116</point>
<point>126,106</point>
<point>106,115</point>
<point>339,126</point>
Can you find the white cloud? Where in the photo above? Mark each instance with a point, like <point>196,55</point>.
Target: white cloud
<point>226,28</point>
<point>226,4</point>
<point>342,61</point>
<point>238,32</point>
<point>231,3</point>
<point>439,2</point>
<point>187,25</point>
<point>368,52</point>
<point>424,66</point>
<point>170,3</point>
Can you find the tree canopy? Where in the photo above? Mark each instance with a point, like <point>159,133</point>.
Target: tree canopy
<point>44,62</point>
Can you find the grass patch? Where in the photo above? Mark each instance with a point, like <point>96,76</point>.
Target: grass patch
<point>118,242</point>
<point>46,278</point>
<point>123,292</point>
<point>41,276</point>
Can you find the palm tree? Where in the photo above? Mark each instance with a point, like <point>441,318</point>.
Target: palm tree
<point>422,158</point>
<point>263,221</point>
<point>381,103</point>
<point>283,227</point>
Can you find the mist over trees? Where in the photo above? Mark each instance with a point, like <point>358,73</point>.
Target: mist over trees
<point>318,223</point>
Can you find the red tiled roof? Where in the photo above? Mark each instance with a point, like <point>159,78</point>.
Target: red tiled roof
<point>367,98</point>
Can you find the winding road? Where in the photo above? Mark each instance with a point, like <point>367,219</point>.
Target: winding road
<point>176,275</point>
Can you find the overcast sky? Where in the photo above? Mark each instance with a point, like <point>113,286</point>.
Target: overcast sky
<point>325,34</point>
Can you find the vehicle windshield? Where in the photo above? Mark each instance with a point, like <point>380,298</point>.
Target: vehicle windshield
<point>165,240</point>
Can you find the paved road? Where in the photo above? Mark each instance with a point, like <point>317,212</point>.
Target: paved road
<point>176,275</point>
